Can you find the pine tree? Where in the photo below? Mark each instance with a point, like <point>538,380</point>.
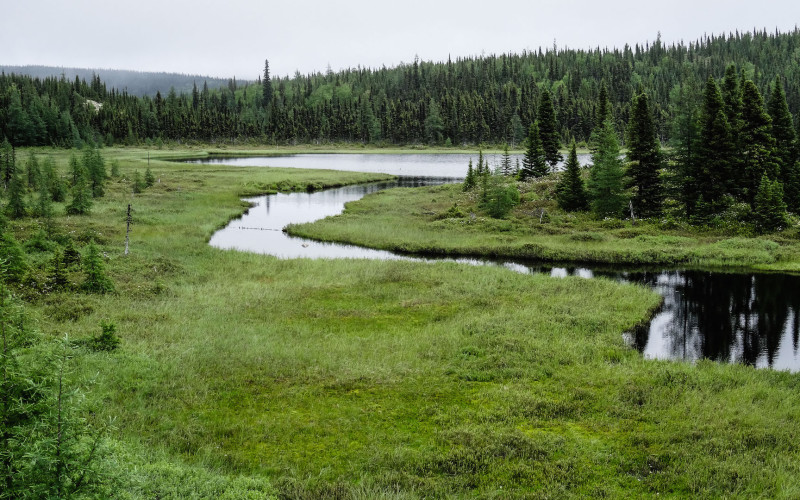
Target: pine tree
<point>149,179</point>
<point>32,172</point>
<point>96,280</point>
<point>16,208</point>
<point>606,176</point>
<point>55,184</point>
<point>505,164</point>
<point>13,264</point>
<point>570,191</point>
<point>469,180</point>
<point>7,162</point>
<point>548,129</point>
<point>72,257</point>
<point>644,159</point>
<point>81,196</point>
<point>534,163</point>
<point>785,145</point>
<point>684,185</point>
<point>757,143</point>
<point>58,272</point>
<point>715,149</point>
<point>769,210</point>
<point>266,87</point>
<point>95,167</point>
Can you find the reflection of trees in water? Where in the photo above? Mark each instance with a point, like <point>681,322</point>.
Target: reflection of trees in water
<point>726,317</point>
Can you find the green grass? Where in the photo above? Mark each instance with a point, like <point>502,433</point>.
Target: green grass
<point>243,375</point>
<point>418,220</point>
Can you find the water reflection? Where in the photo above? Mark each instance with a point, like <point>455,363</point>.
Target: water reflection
<point>734,318</point>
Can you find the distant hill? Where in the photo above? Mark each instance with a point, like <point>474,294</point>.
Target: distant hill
<point>138,83</point>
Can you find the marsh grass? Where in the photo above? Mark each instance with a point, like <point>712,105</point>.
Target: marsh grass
<point>421,220</point>
<point>244,376</point>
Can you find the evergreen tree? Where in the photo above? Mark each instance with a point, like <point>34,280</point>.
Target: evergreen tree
<point>81,196</point>
<point>548,129</point>
<point>715,149</point>
<point>96,280</point>
<point>469,180</point>
<point>769,210</point>
<point>644,159</point>
<point>266,87</point>
<point>44,206</point>
<point>95,166</point>
<point>138,183</point>
<point>72,257</point>
<point>7,162</point>
<point>505,164</point>
<point>603,112</point>
<point>757,143</point>
<point>55,184</point>
<point>149,179</point>
<point>570,191</point>
<point>433,123</point>
<point>58,278</point>
<point>785,145</point>
<point>534,163</point>
<point>13,263</point>
<point>32,172</point>
<point>682,184</point>
<point>606,176</point>
<point>16,208</point>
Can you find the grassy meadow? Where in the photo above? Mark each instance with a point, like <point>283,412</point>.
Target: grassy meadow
<point>246,376</point>
<point>444,220</point>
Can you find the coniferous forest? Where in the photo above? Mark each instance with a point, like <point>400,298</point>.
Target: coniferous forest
<point>491,99</point>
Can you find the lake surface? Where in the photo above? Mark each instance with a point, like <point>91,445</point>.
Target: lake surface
<point>409,165</point>
<point>727,317</point>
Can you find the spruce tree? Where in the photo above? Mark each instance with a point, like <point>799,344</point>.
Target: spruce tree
<point>81,196</point>
<point>715,149</point>
<point>606,176</point>
<point>548,129</point>
<point>96,280</point>
<point>16,208</point>
<point>469,180</point>
<point>785,145</point>
<point>13,263</point>
<point>505,164</point>
<point>149,179</point>
<point>55,184</point>
<point>757,143</point>
<point>7,162</point>
<point>684,140</point>
<point>32,172</point>
<point>570,191</point>
<point>534,164</point>
<point>769,210</point>
<point>266,87</point>
<point>95,167</point>
<point>644,159</point>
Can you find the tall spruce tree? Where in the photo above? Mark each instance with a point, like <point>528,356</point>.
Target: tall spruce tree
<point>81,195</point>
<point>715,149</point>
<point>95,167</point>
<point>505,163</point>
<point>469,180</point>
<point>683,185</point>
<point>644,159</point>
<point>534,163</point>
<point>16,208</point>
<point>266,87</point>
<point>570,191</point>
<point>756,141</point>
<point>785,145</point>
<point>606,177</point>
<point>548,129</point>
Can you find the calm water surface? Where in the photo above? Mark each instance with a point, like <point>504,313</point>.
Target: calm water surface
<point>411,165</point>
<point>727,317</point>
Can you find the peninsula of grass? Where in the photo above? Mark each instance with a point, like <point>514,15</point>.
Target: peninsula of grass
<point>445,220</point>
<point>247,376</point>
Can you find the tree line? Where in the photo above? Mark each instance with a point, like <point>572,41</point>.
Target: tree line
<point>471,100</point>
<point>735,156</point>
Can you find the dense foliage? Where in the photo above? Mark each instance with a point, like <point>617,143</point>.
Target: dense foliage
<point>470,100</point>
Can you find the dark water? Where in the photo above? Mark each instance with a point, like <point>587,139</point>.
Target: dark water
<point>727,317</point>
<point>409,165</point>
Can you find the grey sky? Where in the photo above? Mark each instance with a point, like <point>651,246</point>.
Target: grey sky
<point>233,38</point>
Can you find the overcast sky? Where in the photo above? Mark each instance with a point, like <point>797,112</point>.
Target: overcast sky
<point>232,38</point>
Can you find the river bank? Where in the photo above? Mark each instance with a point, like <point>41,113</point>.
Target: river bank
<point>396,379</point>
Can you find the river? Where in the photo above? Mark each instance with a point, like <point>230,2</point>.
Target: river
<point>750,318</point>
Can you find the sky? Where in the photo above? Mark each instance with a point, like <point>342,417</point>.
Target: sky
<point>234,37</point>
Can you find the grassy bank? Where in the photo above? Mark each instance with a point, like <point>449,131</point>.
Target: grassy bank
<point>245,375</point>
<point>444,220</point>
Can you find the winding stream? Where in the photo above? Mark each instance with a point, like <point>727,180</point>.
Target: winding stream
<point>728,317</point>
